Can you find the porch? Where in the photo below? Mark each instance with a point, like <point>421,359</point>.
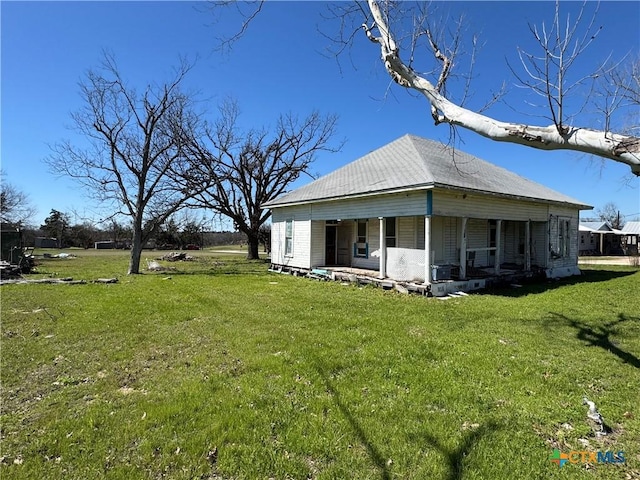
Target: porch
<point>430,249</point>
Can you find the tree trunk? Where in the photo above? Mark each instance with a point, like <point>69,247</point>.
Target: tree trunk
<point>253,245</point>
<point>136,249</point>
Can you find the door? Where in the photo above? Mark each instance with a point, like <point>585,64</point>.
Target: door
<point>345,243</point>
<point>330,244</point>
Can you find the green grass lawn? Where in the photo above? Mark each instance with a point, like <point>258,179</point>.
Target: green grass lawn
<point>291,378</point>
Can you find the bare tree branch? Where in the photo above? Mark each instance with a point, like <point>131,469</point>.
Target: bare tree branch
<point>618,147</point>
<point>238,172</point>
<point>15,206</point>
<point>135,156</point>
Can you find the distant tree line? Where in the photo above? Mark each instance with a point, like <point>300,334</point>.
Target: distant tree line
<point>172,234</point>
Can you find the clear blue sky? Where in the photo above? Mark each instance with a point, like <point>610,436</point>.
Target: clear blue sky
<point>277,67</point>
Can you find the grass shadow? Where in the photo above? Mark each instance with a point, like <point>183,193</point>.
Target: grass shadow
<point>374,453</point>
<point>455,456</point>
<point>213,266</point>
<point>540,285</point>
<point>599,336</point>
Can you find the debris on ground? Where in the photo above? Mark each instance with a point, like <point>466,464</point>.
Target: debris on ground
<point>23,264</point>
<point>594,419</point>
<point>49,281</point>
<point>8,271</point>
<point>177,257</point>
<point>154,266</point>
<point>66,281</point>
<point>59,255</point>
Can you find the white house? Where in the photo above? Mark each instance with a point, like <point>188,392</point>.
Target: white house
<point>417,211</point>
<point>631,237</point>
<point>598,238</point>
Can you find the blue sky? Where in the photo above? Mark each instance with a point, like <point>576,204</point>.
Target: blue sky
<point>277,67</point>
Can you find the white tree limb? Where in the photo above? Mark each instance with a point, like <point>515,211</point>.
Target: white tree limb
<point>620,148</point>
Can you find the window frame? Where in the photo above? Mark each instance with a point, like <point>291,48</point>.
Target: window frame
<point>564,237</point>
<point>394,237</point>
<point>288,237</point>
<point>358,250</point>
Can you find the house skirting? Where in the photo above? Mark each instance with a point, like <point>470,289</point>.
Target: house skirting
<point>434,289</point>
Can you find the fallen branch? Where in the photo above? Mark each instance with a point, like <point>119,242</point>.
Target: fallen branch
<point>57,281</point>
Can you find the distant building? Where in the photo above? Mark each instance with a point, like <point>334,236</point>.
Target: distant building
<point>105,245</point>
<point>631,237</point>
<point>46,242</point>
<point>598,238</point>
<point>10,239</point>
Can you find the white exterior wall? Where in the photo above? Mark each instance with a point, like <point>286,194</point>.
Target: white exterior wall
<point>450,204</point>
<point>373,239</point>
<point>420,231</point>
<point>588,242</point>
<point>446,223</point>
<point>478,237</point>
<point>317,241</point>
<point>406,232</point>
<point>301,255</point>
<point>556,215</point>
<point>391,205</point>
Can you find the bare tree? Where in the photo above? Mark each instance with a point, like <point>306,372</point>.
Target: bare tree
<point>238,172</point>
<point>620,87</point>
<point>405,30</point>
<point>135,158</point>
<point>610,213</point>
<point>15,206</point>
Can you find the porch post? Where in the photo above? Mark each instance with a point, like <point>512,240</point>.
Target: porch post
<point>383,248</point>
<point>527,245</point>
<point>427,249</point>
<point>601,243</point>
<point>463,249</point>
<point>498,246</point>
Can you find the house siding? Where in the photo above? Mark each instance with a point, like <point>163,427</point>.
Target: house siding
<point>373,239</point>
<point>446,227</point>
<point>556,216</point>
<point>406,231</point>
<point>318,253</point>
<point>477,237</point>
<point>390,205</point>
<point>300,256</point>
<point>450,204</point>
<point>420,232</point>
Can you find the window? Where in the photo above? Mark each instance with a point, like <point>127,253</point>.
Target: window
<point>563,237</point>
<point>361,247</point>
<point>288,238</point>
<point>390,231</point>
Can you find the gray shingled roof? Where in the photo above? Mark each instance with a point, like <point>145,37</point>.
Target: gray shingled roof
<point>415,162</point>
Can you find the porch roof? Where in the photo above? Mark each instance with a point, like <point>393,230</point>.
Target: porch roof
<point>415,163</point>
<point>598,227</point>
<point>631,228</point>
